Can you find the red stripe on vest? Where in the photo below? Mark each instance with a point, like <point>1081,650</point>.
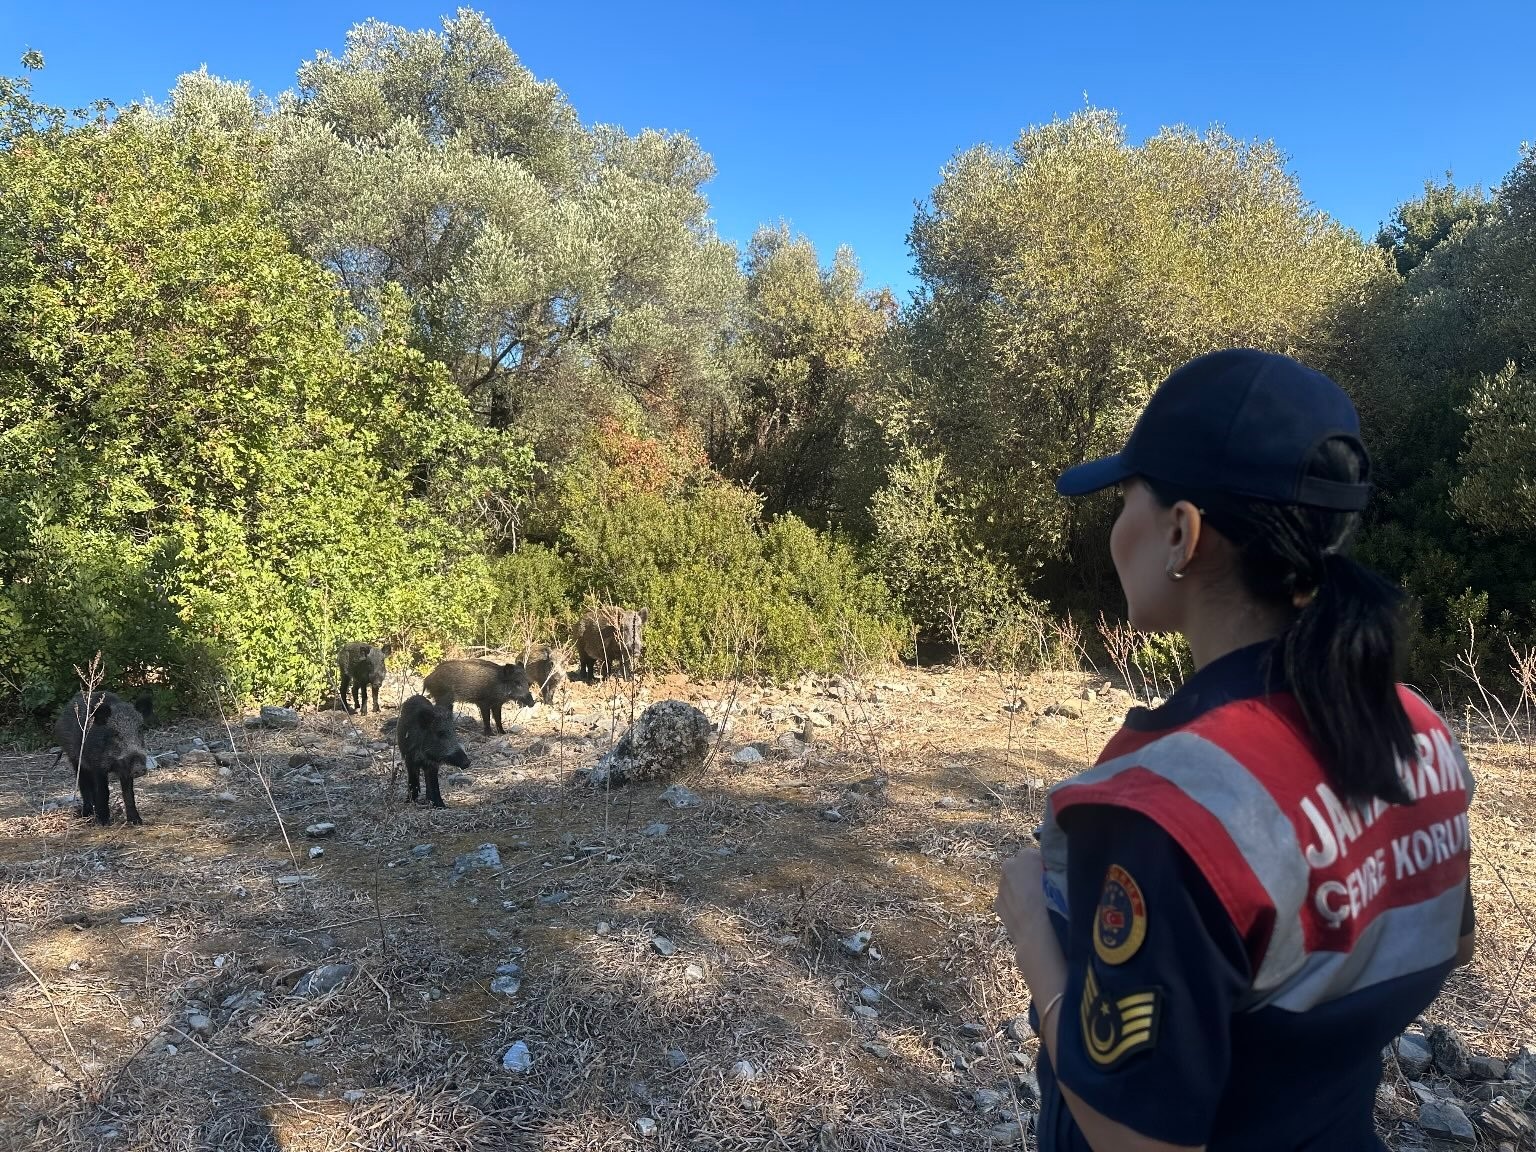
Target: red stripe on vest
<point>1201,836</point>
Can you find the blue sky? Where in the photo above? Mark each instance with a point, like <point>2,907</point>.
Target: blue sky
<point>837,116</point>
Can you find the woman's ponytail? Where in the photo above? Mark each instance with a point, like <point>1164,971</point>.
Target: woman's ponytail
<point>1340,658</point>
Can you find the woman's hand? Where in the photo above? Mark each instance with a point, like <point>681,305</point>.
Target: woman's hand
<point>1022,908</point>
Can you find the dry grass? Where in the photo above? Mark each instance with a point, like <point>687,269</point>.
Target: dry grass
<point>756,888</point>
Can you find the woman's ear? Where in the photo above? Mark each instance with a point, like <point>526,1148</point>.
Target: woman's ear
<point>1184,528</point>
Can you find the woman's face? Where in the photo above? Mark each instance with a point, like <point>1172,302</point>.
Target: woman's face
<point>1145,542</point>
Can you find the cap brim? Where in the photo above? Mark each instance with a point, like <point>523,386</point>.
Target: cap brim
<point>1094,476</point>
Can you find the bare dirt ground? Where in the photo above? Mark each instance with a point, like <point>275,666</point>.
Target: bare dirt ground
<point>686,987</point>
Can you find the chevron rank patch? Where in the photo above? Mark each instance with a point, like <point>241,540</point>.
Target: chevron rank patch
<point>1120,921</point>
<point>1114,1029</point>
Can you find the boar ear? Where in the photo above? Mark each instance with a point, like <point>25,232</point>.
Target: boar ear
<point>644,614</point>
<point>103,713</point>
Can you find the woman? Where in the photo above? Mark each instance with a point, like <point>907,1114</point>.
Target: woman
<point>1263,881</point>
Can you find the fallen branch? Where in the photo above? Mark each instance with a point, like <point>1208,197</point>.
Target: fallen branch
<point>57,1016</point>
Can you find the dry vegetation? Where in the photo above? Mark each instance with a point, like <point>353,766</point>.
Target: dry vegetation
<point>933,776</point>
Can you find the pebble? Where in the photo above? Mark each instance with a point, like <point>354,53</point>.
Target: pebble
<point>663,946</point>
<point>1006,1135</point>
<point>865,1012</point>
<point>831,815</point>
<point>316,852</point>
<point>422,850</point>
<point>227,797</point>
<point>646,1127</point>
<point>554,898</point>
<point>134,920</point>
<point>747,755</point>
<point>1451,1055</point>
<point>324,978</point>
<point>510,968</point>
<point>973,1031</point>
<point>656,830</point>
<point>1018,1030</point>
<point>310,1080</point>
<point>869,995</point>
<point>745,1070</point>
<point>681,797</point>
<point>989,1099</point>
<point>1413,1054</point>
<point>677,1058</point>
<point>517,1058</point>
<point>693,973</point>
<point>858,943</point>
<point>278,717</point>
<point>1487,1068</point>
<point>1445,1121</point>
<point>1027,1086</point>
<point>506,985</point>
<point>877,1050</point>
<point>321,830</point>
<point>353,1095</point>
<point>225,771</point>
<point>485,856</point>
<point>200,1024</point>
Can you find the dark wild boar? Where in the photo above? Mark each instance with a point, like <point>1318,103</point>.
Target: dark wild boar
<point>609,636</point>
<point>482,683</point>
<point>112,744</point>
<point>427,739</point>
<point>362,667</point>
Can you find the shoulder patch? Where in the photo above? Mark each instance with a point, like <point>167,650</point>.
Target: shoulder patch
<point>1120,921</point>
<point>1116,1029</point>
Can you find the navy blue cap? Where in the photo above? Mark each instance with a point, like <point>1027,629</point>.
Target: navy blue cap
<point>1237,422</point>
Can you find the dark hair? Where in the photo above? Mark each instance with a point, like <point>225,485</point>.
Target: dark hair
<point>1339,654</point>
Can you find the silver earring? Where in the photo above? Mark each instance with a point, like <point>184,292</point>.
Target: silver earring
<point>1173,574</point>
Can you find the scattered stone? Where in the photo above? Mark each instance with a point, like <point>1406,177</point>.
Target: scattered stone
<point>789,744</point>
<point>663,946</point>
<point>680,797</point>
<point>831,815</point>
<point>1007,1135</point>
<point>669,737</point>
<point>227,797</point>
<point>646,1127</point>
<point>677,1058</point>
<point>1523,1066</point>
<point>1018,1030</point>
<point>200,1024</point>
<point>353,1095</point>
<point>1451,1055</point>
<point>1444,1121</point>
<point>421,851</point>
<point>877,1050</point>
<point>989,1100</point>
<point>745,1070</point>
<point>311,1080</point>
<point>517,1058</point>
<point>747,755</point>
<point>167,759</point>
<point>321,830</point>
<point>226,761</point>
<point>858,943</point>
<point>316,852</point>
<point>656,831</point>
<point>819,720</point>
<point>323,979</point>
<point>134,920</point>
<point>973,1031</point>
<point>1413,1054</point>
<point>869,995</point>
<point>693,973</point>
<point>485,856</point>
<point>506,985</point>
<point>1503,1120</point>
<point>510,968</point>
<point>278,717</point>
<point>865,1012</point>
<point>1066,710</point>
<point>1487,1068</point>
<point>603,928</point>
<point>241,1001</point>
<point>300,760</point>
<point>1027,1086</point>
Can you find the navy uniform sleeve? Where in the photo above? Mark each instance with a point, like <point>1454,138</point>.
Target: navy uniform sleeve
<point>1154,970</point>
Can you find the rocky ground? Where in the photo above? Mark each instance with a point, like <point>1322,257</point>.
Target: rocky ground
<point>791,946</point>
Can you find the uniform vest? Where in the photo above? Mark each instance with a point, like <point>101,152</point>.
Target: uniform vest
<point>1329,898</point>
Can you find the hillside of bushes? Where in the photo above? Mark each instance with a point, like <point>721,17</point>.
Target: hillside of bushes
<point>414,354</point>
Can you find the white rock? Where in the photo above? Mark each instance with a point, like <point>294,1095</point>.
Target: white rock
<point>858,943</point>
<point>693,973</point>
<point>745,1070</point>
<point>316,852</point>
<point>321,830</point>
<point>747,755</point>
<point>517,1058</point>
<point>663,946</point>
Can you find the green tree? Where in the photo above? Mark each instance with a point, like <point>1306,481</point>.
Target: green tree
<point>810,338</point>
<point>210,468</point>
<point>1064,278</point>
<point>1419,226</point>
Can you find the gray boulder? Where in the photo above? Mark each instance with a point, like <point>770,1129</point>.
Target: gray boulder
<point>669,738</point>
